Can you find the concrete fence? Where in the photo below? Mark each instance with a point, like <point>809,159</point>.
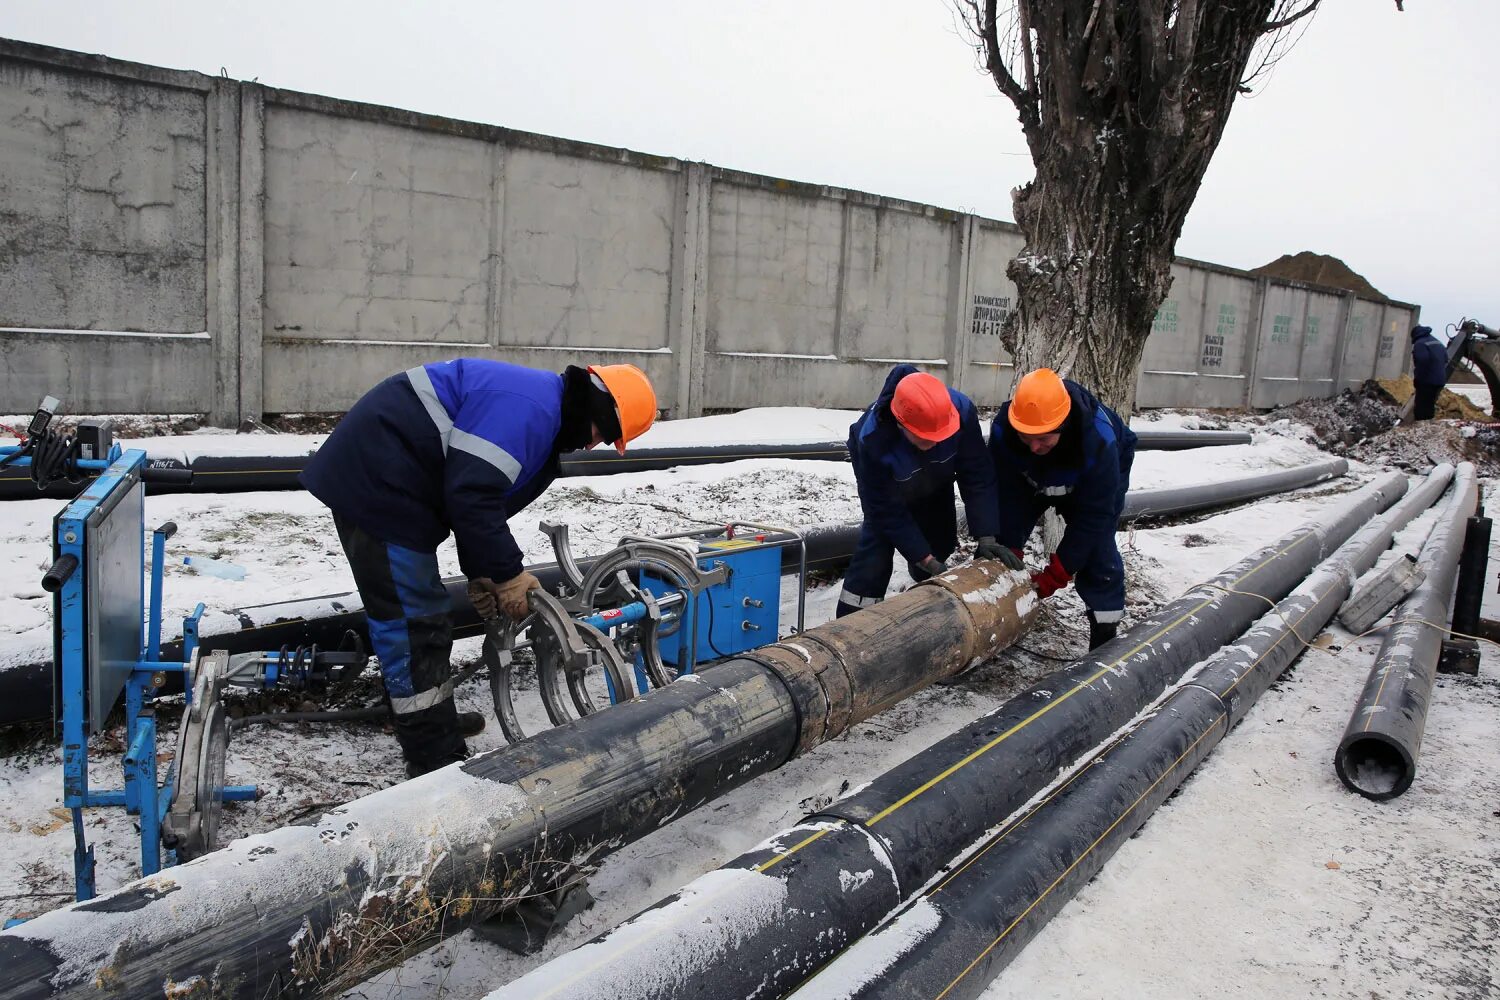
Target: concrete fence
<point>174,242</point>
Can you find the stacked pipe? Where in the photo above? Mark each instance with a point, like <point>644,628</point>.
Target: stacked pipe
<point>313,910</point>
<point>1377,756</point>
<point>26,668</point>
<point>838,874</point>
<point>963,930</point>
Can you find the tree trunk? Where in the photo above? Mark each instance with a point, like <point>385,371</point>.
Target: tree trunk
<point>1088,284</point>
<point>1123,103</point>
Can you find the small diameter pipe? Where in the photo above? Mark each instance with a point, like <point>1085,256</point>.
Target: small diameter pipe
<point>245,473</point>
<point>1378,755</point>
<point>952,938</point>
<point>26,667</point>
<point>769,919</point>
<point>311,911</point>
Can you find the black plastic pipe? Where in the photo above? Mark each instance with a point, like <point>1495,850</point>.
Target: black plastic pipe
<point>1377,756</point>
<point>840,872</point>
<point>1472,567</point>
<point>312,911</point>
<point>1177,500</point>
<point>965,927</point>
<point>26,668</point>
<point>244,473</point>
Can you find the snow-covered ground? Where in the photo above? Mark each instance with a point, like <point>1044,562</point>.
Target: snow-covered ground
<point>1262,878</point>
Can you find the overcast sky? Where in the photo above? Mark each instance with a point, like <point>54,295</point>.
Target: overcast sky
<point>1377,140</point>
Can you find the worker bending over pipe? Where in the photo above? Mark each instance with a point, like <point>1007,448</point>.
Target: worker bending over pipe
<point>456,446</point>
<point>1055,445</point>
<point>908,448</point>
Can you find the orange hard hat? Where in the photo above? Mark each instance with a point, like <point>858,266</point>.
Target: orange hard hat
<point>922,405</point>
<point>1041,403</point>
<point>635,400</point>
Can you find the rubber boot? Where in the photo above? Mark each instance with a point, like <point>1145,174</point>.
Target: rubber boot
<point>1101,632</point>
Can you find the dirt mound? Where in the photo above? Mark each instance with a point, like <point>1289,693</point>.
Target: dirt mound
<point>1347,419</point>
<point>1318,269</point>
<point>1420,446</point>
<point>1450,405</point>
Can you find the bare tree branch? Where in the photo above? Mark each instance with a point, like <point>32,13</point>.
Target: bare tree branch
<point>1024,98</point>
<point>1272,26</point>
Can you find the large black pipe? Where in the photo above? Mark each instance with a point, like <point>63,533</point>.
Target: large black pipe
<point>1377,756</point>
<point>310,911</point>
<point>245,473</point>
<point>962,930</point>
<point>26,668</point>
<point>840,872</point>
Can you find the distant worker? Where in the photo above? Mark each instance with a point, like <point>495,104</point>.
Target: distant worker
<point>1429,370</point>
<point>458,446</point>
<point>1055,445</point>
<point>908,449</point>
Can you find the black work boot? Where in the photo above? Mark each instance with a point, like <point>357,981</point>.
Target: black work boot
<point>1101,632</point>
<point>430,738</point>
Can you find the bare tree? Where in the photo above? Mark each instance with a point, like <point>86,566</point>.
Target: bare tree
<point>1123,103</point>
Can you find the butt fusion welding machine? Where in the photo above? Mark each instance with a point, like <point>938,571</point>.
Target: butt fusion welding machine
<point>106,641</point>
<point>641,615</point>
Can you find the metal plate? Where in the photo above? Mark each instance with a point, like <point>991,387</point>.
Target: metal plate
<point>114,543</point>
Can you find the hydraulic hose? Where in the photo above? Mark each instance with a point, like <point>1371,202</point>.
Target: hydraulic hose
<point>843,869</point>
<point>1377,756</point>
<point>311,911</point>
<point>958,933</point>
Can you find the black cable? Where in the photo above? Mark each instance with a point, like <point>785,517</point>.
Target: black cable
<point>1043,656</point>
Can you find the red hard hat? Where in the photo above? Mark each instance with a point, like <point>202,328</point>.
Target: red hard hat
<point>922,405</point>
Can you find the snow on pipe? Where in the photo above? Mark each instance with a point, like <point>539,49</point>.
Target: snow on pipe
<point>769,919</point>
<point>310,911</point>
<point>245,473</point>
<point>1377,756</point>
<point>1177,500</point>
<point>959,932</point>
<point>26,667</point>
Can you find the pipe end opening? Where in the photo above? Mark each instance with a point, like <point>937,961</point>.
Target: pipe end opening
<point>1375,767</point>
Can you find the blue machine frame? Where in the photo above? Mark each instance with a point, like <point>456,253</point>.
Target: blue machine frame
<point>103,645</point>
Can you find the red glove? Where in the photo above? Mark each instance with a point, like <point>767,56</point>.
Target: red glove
<point>1052,579</point>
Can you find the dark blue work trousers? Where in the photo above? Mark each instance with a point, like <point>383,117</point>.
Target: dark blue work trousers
<point>870,568</point>
<point>411,632</point>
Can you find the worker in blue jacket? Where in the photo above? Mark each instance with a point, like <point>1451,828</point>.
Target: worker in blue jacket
<point>1429,370</point>
<point>908,449</point>
<point>456,446</point>
<point>1055,445</point>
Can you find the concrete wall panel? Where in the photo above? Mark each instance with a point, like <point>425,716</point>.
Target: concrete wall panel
<point>773,272</point>
<point>897,275</point>
<point>101,202</point>
<point>992,297</point>
<point>1362,343</point>
<point>374,231</point>
<point>1320,329</point>
<point>1393,356</point>
<point>587,252</point>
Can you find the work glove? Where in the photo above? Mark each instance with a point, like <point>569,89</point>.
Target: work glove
<point>482,595</point>
<point>988,548</point>
<point>932,566</point>
<point>1052,579</point>
<point>512,595</point>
